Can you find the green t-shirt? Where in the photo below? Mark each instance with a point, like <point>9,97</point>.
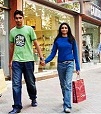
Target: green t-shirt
<point>23,40</point>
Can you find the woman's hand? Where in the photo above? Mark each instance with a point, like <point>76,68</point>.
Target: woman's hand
<point>42,62</point>
<point>78,72</point>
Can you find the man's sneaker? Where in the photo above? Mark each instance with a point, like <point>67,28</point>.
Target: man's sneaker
<point>15,111</point>
<point>34,103</point>
<point>67,110</point>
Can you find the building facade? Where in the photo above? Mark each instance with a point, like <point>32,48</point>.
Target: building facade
<point>45,16</point>
<point>4,33</point>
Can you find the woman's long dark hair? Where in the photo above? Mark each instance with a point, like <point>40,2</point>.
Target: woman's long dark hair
<point>70,36</point>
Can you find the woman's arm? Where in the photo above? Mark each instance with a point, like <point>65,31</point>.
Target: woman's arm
<point>52,54</point>
<point>76,55</point>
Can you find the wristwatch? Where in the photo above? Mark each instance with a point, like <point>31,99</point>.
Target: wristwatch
<point>41,58</point>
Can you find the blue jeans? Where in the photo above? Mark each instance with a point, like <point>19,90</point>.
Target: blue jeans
<point>27,68</point>
<point>65,72</point>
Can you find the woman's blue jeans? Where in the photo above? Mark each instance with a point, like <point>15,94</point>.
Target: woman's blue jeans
<point>65,72</point>
<point>26,68</point>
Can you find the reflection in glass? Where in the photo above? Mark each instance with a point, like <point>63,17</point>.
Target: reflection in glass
<point>2,39</point>
<point>91,37</point>
<point>1,35</point>
<point>32,11</point>
<point>45,21</point>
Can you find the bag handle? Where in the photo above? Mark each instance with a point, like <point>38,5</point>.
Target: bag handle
<point>78,77</point>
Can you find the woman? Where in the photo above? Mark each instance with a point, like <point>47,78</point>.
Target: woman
<point>67,54</point>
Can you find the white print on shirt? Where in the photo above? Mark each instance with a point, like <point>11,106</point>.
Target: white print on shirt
<point>20,40</point>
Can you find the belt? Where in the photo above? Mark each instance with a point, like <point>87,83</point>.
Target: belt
<point>67,61</point>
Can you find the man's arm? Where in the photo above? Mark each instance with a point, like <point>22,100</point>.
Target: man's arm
<point>38,49</point>
<point>11,51</point>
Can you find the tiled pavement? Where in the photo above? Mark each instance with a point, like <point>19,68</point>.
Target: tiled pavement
<point>50,98</point>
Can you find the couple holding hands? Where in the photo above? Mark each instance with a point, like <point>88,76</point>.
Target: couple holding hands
<point>21,61</point>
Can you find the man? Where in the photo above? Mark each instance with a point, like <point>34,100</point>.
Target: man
<point>22,38</point>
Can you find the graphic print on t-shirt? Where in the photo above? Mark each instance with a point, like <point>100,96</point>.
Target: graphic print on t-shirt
<point>20,40</point>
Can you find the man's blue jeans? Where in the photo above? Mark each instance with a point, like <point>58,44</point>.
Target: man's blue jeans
<point>65,72</point>
<point>27,68</point>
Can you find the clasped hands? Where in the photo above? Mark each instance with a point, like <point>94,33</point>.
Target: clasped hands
<point>42,62</point>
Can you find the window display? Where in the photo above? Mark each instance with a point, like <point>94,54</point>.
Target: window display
<point>45,21</point>
<point>2,39</point>
<point>90,42</point>
<point>4,35</point>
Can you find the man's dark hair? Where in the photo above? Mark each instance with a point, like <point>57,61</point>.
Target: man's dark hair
<point>18,12</point>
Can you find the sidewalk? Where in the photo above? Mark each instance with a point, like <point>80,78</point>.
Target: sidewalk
<point>46,74</point>
<point>50,97</point>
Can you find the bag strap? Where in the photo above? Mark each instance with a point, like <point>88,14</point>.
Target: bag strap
<point>78,77</point>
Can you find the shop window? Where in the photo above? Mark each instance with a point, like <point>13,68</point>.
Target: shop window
<point>2,41</point>
<point>90,42</point>
<point>45,21</point>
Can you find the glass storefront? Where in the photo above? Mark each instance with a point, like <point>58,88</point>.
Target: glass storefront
<point>1,33</point>
<point>45,21</point>
<point>90,42</point>
<point>4,55</point>
<point>2,39</point>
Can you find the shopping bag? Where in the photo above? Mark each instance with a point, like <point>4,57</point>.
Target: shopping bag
<point>3,86</point>
<point>78,92</point>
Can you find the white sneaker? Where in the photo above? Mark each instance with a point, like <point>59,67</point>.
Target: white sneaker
<point>67,110</point>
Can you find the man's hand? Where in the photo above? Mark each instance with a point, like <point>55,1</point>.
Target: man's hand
<point>42,62</point>
<point>10,64</point>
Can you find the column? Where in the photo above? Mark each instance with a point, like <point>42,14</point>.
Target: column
<point>14,5</point>
<point>78,35</point>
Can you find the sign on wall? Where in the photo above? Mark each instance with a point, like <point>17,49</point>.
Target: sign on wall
<point>92,10</point>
